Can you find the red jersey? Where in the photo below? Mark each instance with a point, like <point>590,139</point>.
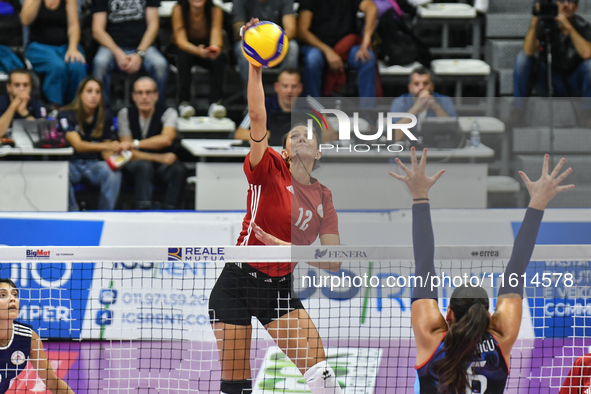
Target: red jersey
<point>284,208</point>
<point>578,380</point>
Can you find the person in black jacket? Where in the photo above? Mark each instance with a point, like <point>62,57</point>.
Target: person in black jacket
<point>148,129</point>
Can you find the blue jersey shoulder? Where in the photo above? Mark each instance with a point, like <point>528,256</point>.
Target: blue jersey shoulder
<point>15,355</point>
<point>490,368</point>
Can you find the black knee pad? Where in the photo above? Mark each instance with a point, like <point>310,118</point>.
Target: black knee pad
<point>236,386</point>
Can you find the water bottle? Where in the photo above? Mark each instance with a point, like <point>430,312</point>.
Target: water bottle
<point>337,104</point>
<point>475,134</point>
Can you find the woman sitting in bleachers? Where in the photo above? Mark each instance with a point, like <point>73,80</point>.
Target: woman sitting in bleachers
<point>89,129</point>
<point>54,49</point>
<point>197,35</point>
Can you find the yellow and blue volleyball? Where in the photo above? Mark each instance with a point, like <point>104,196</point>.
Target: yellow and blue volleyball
<point>264,44</point>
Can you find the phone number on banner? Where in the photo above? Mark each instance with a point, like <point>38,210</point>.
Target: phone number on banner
<point>178,299</point>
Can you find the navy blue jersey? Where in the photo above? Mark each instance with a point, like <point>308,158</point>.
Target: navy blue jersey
<point>14,357</point>
<point>486,374</point>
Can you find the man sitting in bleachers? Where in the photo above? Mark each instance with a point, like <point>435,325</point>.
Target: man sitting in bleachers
<point>148,129</point>
<point>279,110</point>
<point>571,57</point>
<point>126,31</point>
<point>329,30</point>
<point>421,100</point>
<point>18,103</point>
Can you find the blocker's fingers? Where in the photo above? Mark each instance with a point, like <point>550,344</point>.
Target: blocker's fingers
<point>561,177</point>
<point>401,164</point>
<point>545,165</point>
<point>524,177</point>
<point>399,177</point>
<point>438,175</point>
<point>565,187</point>
<point>413,157</point>
<point>557,168</point>
<point>423,159</point>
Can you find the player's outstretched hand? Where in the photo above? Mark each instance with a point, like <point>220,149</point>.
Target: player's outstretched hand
<point>417,181</point>
<point>265,237</point>
<point>544,189</point>
<point>251,22</point>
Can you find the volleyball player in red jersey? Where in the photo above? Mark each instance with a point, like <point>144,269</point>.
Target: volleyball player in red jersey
<point>285,205</point>
<point>578,380</point>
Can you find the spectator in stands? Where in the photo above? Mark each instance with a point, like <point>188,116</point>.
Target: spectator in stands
<point>18,103</point>
<point>197,33</point>
<point>89,129</point>
<point>421,100</point>
<point>571,57</point>
<point>148,128</point>
<point>10,35</point>
<point>329,30</point>
<point>279,111</point>
<point>54,49</point>
<point>126,31</point>
<point>287,87</point>
<point>277,11</point>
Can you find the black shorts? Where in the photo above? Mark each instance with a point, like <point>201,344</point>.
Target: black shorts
<point>242,291</point>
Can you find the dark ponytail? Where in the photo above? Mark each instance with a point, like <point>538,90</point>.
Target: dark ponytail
<point>460,344</point>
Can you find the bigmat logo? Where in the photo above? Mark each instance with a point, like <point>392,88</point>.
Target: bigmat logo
<point>38,254</point>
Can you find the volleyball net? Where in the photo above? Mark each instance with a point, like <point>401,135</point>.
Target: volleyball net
<point>136,319</point>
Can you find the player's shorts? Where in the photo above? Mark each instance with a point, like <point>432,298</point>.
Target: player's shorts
<point>242,291</point>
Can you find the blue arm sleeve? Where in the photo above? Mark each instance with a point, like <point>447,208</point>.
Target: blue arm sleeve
<point>424,250</point>
<point>523,248</point>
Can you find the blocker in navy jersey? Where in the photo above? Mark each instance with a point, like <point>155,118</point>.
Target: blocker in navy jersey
<point>486,374</point>
<point>15,356</point>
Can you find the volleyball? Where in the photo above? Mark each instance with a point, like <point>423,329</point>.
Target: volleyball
<point>264,44</point>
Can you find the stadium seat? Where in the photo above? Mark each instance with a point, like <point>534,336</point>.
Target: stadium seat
<point>510,6</point>
<point>501,55</point>
<point>507,23</point>
<point>460,71</point>
<point>448,15</point>
<point>388,71</point>
<point>502,184</point>
<point>499,186</point>
<point>536,140</point>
